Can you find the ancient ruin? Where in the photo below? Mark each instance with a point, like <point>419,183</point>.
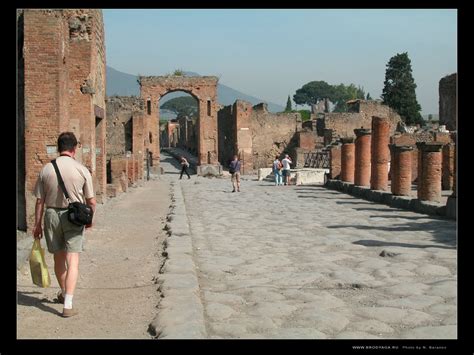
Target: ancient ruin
<point>204,90</point>
<point>120,137</point>
<point>61,65</point>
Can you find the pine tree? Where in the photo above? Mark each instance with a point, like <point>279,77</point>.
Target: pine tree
<point>368,96</point>
<point>288,105</point>
<point>399,89</point>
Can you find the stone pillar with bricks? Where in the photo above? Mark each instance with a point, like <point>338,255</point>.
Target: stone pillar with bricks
<point>347,159</point>
<point>448,167</point>
<point>452,200</point>
<point>362,157</point>
<point>335,161</point>
<point>401,169</point>
<point>429,171</point>
<point>380,153</point>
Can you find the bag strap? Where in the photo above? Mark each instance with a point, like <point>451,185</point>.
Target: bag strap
<point>60,180</point>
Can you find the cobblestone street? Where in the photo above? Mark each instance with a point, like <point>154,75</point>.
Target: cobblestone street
<point>308,262</point>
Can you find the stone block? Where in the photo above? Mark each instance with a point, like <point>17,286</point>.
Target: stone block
<point>209,170</point>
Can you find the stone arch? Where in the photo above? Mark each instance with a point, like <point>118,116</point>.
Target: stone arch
<point>204,90</point>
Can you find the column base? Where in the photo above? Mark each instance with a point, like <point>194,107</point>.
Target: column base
<point>451,207</point>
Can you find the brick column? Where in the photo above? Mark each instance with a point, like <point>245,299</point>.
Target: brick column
<point>401,169</point>
<point>362,157</point>
<point>380,153</point>
<point>131,170</point>
<point>448,167</point>
<point>347,160</point>
<point>429,171</point>
<point>335,161</point>
<point>414,164</point>
<point>454,173</point>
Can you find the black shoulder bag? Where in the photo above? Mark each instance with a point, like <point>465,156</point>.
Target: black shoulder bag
<point>77,213</point>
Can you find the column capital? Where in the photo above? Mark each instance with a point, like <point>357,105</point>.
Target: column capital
<point>400,148</point>
<point>362,132</point>
<point>430,146</point>
<point>347,140</point>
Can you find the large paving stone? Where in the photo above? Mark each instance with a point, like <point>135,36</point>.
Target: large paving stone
<point>394,315</point>
<point>433,270</point>
<point>414,302</point>
<point>327,322</point>
<point>218,311</point>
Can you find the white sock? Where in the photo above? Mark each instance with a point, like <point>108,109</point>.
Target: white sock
<point>63,291</point>
<point>68,301</point>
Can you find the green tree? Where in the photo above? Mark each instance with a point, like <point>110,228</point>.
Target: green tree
<point>368,96</point>
<point>288,105</point>
<point>399,89</point>
<point>345,93</point>
<point>182,106</point>
<point>313,92</point>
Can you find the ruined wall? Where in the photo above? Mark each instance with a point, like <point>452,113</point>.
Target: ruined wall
<point>187,134</point>
<point>273,134</point>
<point>448,102</point>
<point>60,47</point>
<point>120,111</point>
<point>360,115</point>
<point>227,138</point>
<point>259,134</point>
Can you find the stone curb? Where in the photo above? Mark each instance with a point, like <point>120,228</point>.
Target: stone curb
<point>181,313</point>
<point>386,198</point>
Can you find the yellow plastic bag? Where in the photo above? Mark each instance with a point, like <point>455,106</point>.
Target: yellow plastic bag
<point>38,267</point>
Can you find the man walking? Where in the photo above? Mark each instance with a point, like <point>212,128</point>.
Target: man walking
<point>234,169</point>
<point>63,238</point>
<point>184,167</point>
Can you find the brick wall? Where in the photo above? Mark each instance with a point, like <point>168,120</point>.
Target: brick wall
<point>119,124</point>
<point>447,102</point>
<point>64,77</point>
<point>360,115</point>
<point>273,134</point>
<point>269,134</point>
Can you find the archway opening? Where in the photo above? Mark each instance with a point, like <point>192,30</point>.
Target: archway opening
<point>179,113</point>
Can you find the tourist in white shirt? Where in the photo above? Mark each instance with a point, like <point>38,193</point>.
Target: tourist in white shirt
<point>286,169</point>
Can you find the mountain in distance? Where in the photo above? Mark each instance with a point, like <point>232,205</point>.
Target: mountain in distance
<point>123,84</point>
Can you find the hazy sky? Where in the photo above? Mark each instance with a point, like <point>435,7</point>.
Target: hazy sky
<point>270,53</point>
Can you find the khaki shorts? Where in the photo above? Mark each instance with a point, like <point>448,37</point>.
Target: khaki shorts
<point>60,234</point>
<point>235,176</point>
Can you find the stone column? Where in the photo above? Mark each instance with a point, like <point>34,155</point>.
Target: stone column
<point>448,167</point>
<point>414,164</point>
<point>451,203</point>
<point>335,161</point>
<point>429,171</point>
<point>362,157</point>
<point>380,153</point>
<point>401,169</point>
<point>347,160</point>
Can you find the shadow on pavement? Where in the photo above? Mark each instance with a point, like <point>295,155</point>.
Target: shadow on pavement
<point>436,227</point>
<point>25,300</point>
<point>378,243</point>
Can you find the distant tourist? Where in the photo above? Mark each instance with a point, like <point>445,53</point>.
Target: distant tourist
<point>184,167</point>
<point>234,169</point>
<point>286,169</point>
<point>277,167</point>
